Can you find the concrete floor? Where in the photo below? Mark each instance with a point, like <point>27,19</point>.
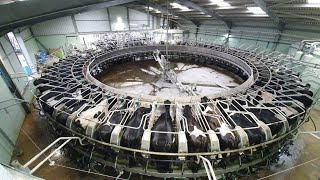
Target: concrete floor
<point>305,148</point>
<point>34,135</point>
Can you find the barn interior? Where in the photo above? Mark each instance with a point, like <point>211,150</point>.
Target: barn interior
<point>159,89</point>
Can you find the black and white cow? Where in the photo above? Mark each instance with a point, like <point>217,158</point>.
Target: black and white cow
<point>197,139</point>
<point>255,136</point>
<point>132,137</point>
<point>103,133</point>
<point>92,114</point>
<point>73,106</point>
<point>267,116</point>
<point>163,142</point>
<point>227,138</point>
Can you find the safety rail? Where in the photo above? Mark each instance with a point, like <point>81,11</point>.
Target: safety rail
<point>25,168</point>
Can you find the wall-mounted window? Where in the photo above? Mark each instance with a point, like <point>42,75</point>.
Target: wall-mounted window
<point>19,53</point>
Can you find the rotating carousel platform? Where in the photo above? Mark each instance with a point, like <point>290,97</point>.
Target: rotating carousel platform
<point>239,128</point>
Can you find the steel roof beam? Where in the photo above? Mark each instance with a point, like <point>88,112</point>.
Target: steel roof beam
<point>263,5</point>
<point>206,11</point>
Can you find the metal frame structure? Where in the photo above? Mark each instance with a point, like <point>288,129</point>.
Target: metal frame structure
<point>78,72</point>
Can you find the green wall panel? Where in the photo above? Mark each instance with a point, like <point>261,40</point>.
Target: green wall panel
<point>32,48</point>
<point>11,120</point>
<point>57,41</point>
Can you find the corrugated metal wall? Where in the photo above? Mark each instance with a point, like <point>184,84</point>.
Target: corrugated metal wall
<point>93,21</point>
<point>139,19</point>
<point>62,25</point>
<point>63,32</point>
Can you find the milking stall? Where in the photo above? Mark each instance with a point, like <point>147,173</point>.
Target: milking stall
<point>160,89</point>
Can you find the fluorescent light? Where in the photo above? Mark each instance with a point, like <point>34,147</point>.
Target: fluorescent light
<point>179,6</point>
<point>119,19</point>
<point>313,1</point>
<point>150,8</point>
<point>256,10</point>
<point>220,3</point>
<point>153,9</point>
<point>223,4</point>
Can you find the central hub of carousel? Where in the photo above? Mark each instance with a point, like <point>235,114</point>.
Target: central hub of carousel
<point>201,130</point>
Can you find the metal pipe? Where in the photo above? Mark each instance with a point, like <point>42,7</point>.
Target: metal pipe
<point>44,150</point>
<point>45,159</point>
<point>211,172</point>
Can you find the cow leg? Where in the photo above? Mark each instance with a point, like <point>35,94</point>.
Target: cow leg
<point>163,167</point>
<point>131,161</point>
<point>194,166</point>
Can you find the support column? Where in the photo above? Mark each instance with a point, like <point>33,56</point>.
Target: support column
<point>128,18</point>
<point>197,31</point>
<point>109,19</point>
<point>74,24</point>
<point>227,38</point>
<point>277,41</point>
<point>281,29</point>
<point>25,52</point>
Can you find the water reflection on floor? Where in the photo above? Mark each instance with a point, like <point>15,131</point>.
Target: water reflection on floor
<point>146,77</point>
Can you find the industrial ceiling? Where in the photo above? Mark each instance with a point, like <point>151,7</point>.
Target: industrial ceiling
<point>17,13</point>
<point>278,11</point>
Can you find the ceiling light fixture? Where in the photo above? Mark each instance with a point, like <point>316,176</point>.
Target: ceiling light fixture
<point>3,2</point>
<point>256,10</point>
<point>313,1</point>
<point>220,3</point>
<point>150,8</point>
<point>179,6</point>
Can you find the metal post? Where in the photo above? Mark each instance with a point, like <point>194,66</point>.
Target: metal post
<point>74,24</point>
<point>109,19</point>
<point>128,18</point>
